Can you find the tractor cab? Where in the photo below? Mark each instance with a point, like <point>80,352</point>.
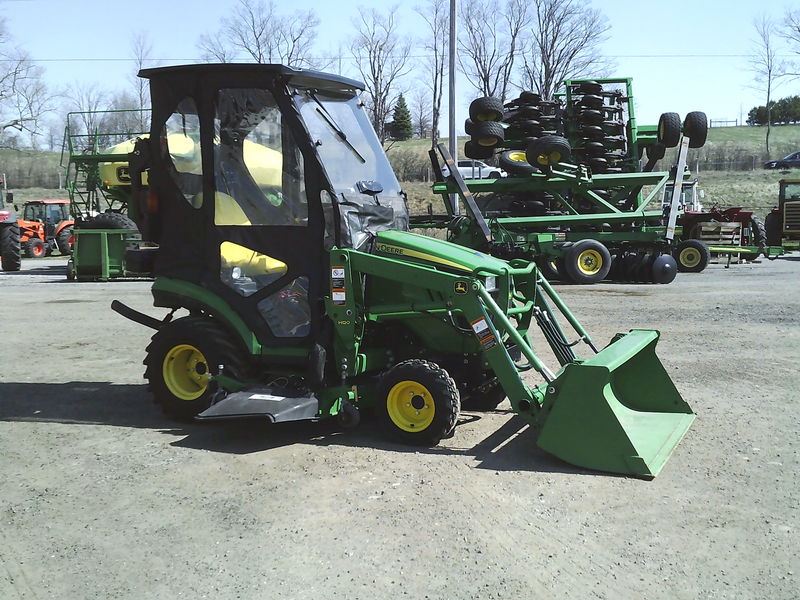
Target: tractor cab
<point>261,170</point>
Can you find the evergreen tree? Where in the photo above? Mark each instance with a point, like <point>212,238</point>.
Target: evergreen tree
<point>402,128</point>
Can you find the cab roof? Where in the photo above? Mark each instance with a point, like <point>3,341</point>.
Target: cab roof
<point>304,76</point>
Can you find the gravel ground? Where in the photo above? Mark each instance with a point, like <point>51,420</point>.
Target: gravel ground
<point>103,497</point>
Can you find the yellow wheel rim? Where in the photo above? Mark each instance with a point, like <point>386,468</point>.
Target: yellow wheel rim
<point>555,157</point>
<point>590,262</point>
<point>689,257</point>
<point>517,157</point>
<point>185,372</point>
<point>410,406</point>
<point>487,141</point>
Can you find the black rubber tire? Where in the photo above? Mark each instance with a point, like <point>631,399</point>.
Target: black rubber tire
<point>487,108</point>
<point>70,270</point>
<point>692,256</point>
<point>758,237</point>
<point>547,151</point>
<point>656,151</point>
<point>591,101</point>
<point>485,400</point>
<point>469,126</point>
<point>62,241</point>
<point>695,126</point>
<point>664,269</point>
<point>111,221</point>
<point>35,248</point>
<point>773,227</point>
<point>488,134</point>
<point>547,266</point>
<point>590,87</point>
<point>477,152</point>
<point>593,132</point>
<point>212,342</point>
<point>529,97</point>
<point>514,163</point>
<point>590,116</point>
<point>592,148</point>
<point>587,261</point>
<point>669,129</point>
<point>10,248</point>
<point>421,378</point>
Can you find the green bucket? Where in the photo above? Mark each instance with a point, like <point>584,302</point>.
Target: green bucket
<point>617,411</point>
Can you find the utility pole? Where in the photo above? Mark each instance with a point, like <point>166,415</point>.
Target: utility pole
<point>453,142</point>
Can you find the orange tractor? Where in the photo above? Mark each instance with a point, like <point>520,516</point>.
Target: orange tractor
<point>45,226</point>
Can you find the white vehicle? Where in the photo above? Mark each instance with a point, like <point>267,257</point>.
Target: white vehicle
<point>475,169</point>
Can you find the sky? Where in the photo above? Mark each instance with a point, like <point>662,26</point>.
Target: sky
<point>682,55</point>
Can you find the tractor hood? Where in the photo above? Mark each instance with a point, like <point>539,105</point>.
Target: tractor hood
<point>438,253</point>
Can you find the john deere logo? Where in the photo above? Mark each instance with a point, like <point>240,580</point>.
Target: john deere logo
<point>461,287</point>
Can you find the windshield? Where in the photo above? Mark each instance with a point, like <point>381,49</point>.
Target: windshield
<point>346,142</point>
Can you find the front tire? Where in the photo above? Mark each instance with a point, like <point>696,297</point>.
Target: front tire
<point>10,248</point>
<point>182,357</point>
<point>418,403</point>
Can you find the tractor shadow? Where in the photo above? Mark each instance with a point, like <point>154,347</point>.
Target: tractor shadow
<point>510,447</point>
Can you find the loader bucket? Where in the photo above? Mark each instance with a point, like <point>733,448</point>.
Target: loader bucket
<point>617,411</point>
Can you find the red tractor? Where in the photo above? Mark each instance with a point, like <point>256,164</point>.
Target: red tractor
<point>46,226</point>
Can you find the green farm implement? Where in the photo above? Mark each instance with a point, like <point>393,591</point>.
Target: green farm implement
<point>283,232</point>
<point>577,197</point>
<point>95,159</point>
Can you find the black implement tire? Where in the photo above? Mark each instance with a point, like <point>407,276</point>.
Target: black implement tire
<point>70,270</point>
<point>692,256</point>
<point>591,101</point>
<point>487,134</point>
<point>469,124</point>
<point>758,233</point>
<point>529,97</point>
<point>110,221</point>
<point>418,402</point>
<point>180,358</point>
<point>695,126</point>
<point>515,163</point>
<point>473,150</point>
<point>487,108</point>
<point>590,116</point>
<point>547,151</point>
<point>773,227</point>
<point>669,129</point>
<point>587,261</point>
<point>10,248</point>
<point>64,241</point>
<point>547,267</point>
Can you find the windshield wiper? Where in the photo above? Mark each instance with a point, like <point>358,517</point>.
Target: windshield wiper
<point>329,120</point>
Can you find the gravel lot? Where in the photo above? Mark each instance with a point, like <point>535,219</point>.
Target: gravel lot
<point>103,497</point>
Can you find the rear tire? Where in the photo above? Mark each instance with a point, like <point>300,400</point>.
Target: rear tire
<point>35,248</point>
<point>180,360</point>
<point>10,248</point>
<point>418,403</point>
<point>64,241</point>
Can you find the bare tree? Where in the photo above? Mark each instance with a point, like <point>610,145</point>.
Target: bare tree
<point>490,41</point>
<point>436,14</point>
<point>564,43</point>
<point>142,49</point>
<point>87,100</point>
<point>24,98</point>
<point>381,56</point>
<point>790,31</point>
<point>259,31</point>
<point>765,65</point>
<point>421,112</point>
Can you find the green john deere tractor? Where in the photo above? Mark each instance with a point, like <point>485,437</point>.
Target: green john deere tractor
<point>283,232</point>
